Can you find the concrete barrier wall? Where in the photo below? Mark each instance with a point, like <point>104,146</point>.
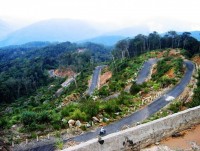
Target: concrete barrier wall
<point>143,135</point>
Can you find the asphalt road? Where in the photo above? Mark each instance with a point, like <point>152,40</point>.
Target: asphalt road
<point>95,78</point>
<point>145,71</point>
<point>138,116</point>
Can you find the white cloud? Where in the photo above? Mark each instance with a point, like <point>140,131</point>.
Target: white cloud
<point>120,12</point>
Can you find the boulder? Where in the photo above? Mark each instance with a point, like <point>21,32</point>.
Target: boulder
<point>72,122</point>
<point>88,125</point>
<point>101,120</point>
<point>70,125</point>
<point>105,119</point>
<point>95,119</point>
<point>78,123</point>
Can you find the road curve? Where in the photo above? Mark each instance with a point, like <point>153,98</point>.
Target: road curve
<point>145,71</point>
<point>147,111</point>
<point>138,116</point>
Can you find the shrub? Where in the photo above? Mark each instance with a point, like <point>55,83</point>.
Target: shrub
<point>28,117</point>
<point>43,117</point>
<point>90,107</point>
<point>111,106</point>
<point>196,99</point>
<point>59,144</point>
<point>67,109</point>
<point>78,115</point>
<point>55,119</point>
<point>175,106</point>
<point>3,123</point>
<point>104,91</point>
<point>135,88</point>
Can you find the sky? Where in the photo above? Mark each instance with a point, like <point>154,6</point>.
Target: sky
<point>118,13</point>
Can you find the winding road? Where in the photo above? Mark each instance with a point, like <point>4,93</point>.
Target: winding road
<point>145,71</point>
<point>95,79</point>
<point>140,115</point>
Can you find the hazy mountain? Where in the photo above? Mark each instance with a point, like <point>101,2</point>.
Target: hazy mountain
<point>4,29</point>
<point>105,40</point>
<point>30,45</point>
<point>52,30</point>
<point>195,34</point>
<point>131,31</point>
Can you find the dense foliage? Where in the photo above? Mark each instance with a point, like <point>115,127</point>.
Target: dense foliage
<point>24,69</point>
<point>196,98</point>
<point>141,43</point>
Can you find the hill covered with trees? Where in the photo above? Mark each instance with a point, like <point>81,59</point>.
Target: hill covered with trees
<point>24,69</point>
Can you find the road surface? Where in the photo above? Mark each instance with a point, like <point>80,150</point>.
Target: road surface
<point>145,71</point>
<point>138,116</point>
<point>95,79</point>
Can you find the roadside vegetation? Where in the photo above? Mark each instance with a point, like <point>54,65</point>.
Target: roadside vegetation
<point>30,103</point>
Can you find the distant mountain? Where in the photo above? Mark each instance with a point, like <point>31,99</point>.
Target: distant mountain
<point>52,30</point>
<point>105,40</point>
<point>195,34</point>
<point>131,31</point>
<point>34,44</point>
<point>4,29</point>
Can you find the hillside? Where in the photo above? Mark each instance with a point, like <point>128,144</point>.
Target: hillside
<point>30,95</point>
<point>24,69</point>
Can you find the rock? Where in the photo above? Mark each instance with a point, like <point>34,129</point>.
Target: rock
<point>72,122</point>
<point>70,125</point>
<point>157,143</point>
<point>117,113</point>
<point>88,125</point>
<point>195,147</point>
<point>95,119</point>
<point>64,120</point>
<point>177,134</point>
<point>8,110</point>
<point>101,120</point>
<point>100,116</point>
<point>78,123</point>
<point>14,126</point>
<point>105,119</point>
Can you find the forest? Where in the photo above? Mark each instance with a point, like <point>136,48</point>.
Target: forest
<point>24,69</point>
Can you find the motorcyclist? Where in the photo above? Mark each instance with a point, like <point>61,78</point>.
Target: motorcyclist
<point>102,131</point>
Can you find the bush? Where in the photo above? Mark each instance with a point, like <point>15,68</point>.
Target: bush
<point>175,106</point>
<point>28,117</point>
<point>3,123</point>
<point>55,118</point>
<point>90,107</point>
<point>196,99</point>
<point>43,117</point>
<point>78,115</point>
<point>124,99</point>
<point>68,109</point>
<point>104,91</point>
<point>135,89</point>
<point>59,144</point>
<point>165,81</point>
<point>111,106</point>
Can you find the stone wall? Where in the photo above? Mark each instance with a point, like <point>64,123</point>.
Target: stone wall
<point>143,135</point>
